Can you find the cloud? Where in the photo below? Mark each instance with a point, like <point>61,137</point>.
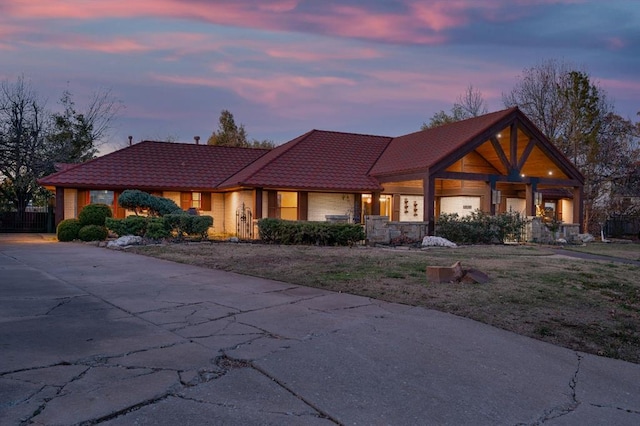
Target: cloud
<point>403,21</point>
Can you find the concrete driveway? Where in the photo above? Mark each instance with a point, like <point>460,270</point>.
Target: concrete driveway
<point>94,336</point>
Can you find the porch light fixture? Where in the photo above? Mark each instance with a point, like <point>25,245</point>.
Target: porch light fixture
<point>550,172</point>
<point>537,197</point>
<point>496,196</point>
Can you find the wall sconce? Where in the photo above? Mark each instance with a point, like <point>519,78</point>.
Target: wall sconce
<point>496,196</point>
<point>537,198</point>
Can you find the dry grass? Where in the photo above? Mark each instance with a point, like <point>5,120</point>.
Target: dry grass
<point>584,305</point>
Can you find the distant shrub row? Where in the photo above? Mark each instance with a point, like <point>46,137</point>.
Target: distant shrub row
<point>277,231</point>
<point>480,228</point>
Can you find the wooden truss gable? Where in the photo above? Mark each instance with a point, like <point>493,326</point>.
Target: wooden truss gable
<point>510,152</point>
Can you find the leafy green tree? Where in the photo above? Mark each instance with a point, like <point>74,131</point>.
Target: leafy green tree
<point>470,104</point>
<point>230,134</point>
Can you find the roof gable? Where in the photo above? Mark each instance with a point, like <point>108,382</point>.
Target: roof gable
<point>158,165</point>
<point>423,149</point>
<point>322,160</point>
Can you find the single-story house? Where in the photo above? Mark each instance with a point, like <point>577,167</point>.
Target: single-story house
<point>495,162</point>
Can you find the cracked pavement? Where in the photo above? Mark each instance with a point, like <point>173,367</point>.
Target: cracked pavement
<point>95,336</point>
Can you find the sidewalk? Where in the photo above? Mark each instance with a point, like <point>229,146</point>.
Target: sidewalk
<point>95,336</point>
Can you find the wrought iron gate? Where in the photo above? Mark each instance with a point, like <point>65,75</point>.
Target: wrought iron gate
<point>34,220</point>
<point>244,223</point>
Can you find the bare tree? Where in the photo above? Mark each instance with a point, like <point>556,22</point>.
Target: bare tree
<point>538,95</point>
<point>469,104</point>
<point>23,144</point>
<point>574,114</point>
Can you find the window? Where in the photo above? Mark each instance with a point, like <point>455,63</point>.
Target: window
<point>288,205</point>
<point>189,200</point>
<point>101,197</point>
<point>196,200</point>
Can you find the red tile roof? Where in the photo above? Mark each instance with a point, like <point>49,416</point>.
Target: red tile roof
<point>157,165</point>
<point>317,160</point>
<point>420,150</point>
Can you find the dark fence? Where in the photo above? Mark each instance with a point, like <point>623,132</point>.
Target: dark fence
<point>622,226</point>
<point>29,221</point>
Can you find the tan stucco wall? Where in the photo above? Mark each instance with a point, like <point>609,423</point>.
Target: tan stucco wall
<point>414,208</point>
<point>323,204</point>
<point>232,202</point>
<point>70,203</point>
<point>567,211</point>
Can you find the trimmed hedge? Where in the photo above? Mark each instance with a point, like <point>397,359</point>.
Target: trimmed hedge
<point>68,230</point>
<point>278,231</point>
<point>158,228</point>
<point>480,228</point>
<point>139,201</point>
<point>94,214</point>
<point>186,224</point>
<point>93,233</point>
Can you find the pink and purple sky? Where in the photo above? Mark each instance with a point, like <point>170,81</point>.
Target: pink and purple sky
<point>284,67</point>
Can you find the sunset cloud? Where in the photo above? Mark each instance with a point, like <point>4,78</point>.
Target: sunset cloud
<point>286,66</point>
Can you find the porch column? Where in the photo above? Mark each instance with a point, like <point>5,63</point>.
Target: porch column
<point>429,191</point>
<point>531,189</point>
<point>375,204</point>
<point>357,208</point>
<point>578,208</point>
<point>303,205</point>
<point>257,203</point>
<point>395,210</point>
<point>59,214</point>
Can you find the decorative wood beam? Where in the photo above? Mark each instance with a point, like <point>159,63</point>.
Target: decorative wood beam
<point>514,143</point>
<point>503,157</point>
<point>526,153</point>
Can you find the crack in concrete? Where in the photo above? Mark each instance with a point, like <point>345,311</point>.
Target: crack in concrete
<point>321,413</point>
<point>59,392</point>
<point>566,408</point>
<point>62,303</point>
<point>127,410</point>
<point>626,410</point>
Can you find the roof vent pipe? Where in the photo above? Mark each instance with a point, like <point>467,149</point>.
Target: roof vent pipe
<point>130,138</point>
<point>197,138</point>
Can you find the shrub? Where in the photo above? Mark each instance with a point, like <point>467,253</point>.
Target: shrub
<point>480,228</point>
<point>93,233</point>
<point>116,226</point>
<point>94,214</point>
<point>68,230</point>
<point>309,233</point>
<point>131,225</point>
<point>157,228</point>
<point>186,224</point>
<point>139,201</point>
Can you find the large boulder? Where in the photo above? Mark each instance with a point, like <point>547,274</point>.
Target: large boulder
<point>430,241</point>
<point>125,240</point>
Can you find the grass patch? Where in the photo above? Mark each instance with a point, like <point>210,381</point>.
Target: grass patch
<point>579,304</point>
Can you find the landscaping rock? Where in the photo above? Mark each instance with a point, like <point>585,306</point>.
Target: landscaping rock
<point>430,241</point>
<point>586,238</point>
<point>126,240</point>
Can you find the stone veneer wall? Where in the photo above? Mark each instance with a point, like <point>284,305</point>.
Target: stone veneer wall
<point>536,231</point>
<point>380,230</point>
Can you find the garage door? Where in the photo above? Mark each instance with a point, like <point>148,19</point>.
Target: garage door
<point>461,205</point>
